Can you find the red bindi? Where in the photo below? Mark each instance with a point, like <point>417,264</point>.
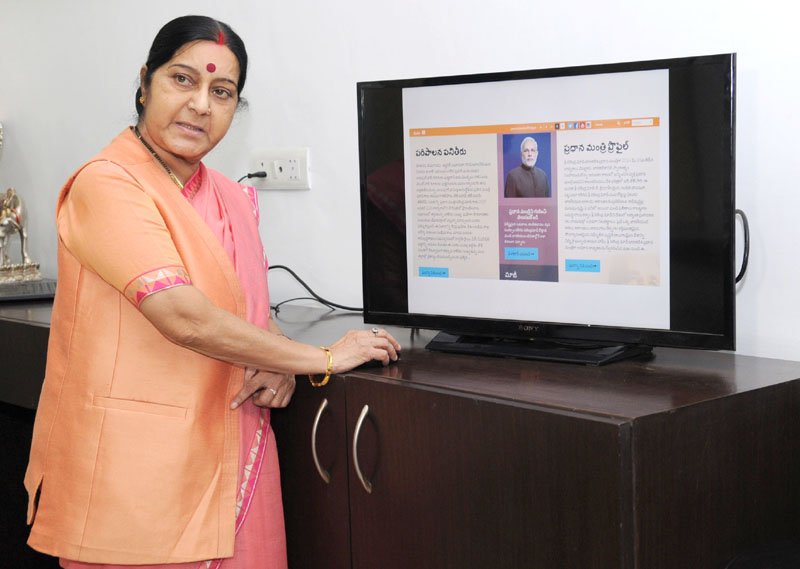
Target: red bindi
<point>211,68</point>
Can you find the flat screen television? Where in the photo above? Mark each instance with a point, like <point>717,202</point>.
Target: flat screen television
<point>579,213</point>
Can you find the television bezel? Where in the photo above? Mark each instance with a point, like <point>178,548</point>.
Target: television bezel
<point>724,339</point>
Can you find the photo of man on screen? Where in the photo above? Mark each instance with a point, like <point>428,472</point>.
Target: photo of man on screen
<point>526,180</point>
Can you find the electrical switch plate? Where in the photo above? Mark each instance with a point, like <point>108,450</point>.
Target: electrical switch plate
<point>286,168</point>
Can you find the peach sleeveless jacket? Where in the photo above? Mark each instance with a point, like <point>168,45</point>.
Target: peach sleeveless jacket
<point>125,417</point>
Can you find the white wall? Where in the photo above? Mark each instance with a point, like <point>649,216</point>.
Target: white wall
<point>68,73</point>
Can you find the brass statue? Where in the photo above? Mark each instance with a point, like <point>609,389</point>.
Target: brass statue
<point>13,218</point>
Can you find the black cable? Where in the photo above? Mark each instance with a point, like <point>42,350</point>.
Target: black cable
<point>277,307</point>
<point>746,254</point>
<point>259,174</point>
<point>317,297</point>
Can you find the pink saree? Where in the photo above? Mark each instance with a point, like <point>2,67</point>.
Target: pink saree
<point>260,539</point>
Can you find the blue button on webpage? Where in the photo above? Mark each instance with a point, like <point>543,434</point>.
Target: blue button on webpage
<point>440,272</point>
<point>582,266</point>
<point>521,253</point>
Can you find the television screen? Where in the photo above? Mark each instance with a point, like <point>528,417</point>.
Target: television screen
<point>589,203</point>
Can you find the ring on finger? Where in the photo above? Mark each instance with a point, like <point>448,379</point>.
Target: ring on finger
<point>375,331</point>
<point>273,391</point>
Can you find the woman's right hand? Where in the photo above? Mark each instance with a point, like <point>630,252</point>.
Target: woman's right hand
<point>360,346</point>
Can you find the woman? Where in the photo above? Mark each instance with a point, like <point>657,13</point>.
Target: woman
<point>152,452</point>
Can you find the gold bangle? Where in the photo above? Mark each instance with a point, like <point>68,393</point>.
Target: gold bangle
<point>328,369</point>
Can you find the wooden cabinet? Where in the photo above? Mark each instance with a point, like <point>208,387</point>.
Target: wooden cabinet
<point>682,461</point>
<point>24,331</point>
<point>454,481</point>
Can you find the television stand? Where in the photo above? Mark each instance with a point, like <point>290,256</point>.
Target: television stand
<point>567,351</point>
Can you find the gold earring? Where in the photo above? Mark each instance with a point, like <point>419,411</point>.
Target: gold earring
<point>141,100</point>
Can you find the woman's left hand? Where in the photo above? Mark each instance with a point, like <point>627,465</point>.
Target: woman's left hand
<point>267,388</point>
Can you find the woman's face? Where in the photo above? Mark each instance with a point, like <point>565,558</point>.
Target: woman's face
<point>190,102</point>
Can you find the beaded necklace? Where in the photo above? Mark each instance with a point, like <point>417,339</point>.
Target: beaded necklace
<point>157,157</point>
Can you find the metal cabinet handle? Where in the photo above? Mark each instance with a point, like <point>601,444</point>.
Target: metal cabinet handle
<point>324,474</point>
<point>364,482</point>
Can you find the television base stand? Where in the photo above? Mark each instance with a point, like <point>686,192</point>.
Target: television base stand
<point>568,351</point>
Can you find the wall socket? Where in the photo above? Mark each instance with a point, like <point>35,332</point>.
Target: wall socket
<point>286,168</point>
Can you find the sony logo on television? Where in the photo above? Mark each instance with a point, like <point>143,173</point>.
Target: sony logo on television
<point>528,327</point>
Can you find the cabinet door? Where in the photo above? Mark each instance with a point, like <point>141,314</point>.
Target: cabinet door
<point>717,479</point>
<point>316,512</point>
<point>469,483</point>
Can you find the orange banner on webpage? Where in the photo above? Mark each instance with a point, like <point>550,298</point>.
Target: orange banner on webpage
<point>638,122</point>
